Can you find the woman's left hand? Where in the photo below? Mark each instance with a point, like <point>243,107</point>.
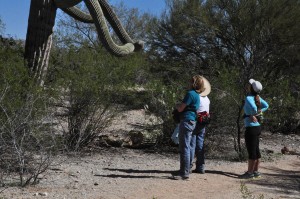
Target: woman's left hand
<point>253,118</point>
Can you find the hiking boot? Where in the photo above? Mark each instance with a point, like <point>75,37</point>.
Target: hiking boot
<point>247,175</point>
<point>178,176</point>
<point>200,171</point>
<point>256,174</point>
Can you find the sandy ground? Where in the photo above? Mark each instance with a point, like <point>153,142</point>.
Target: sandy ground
<point>121,173</point>
<point>132,174</point>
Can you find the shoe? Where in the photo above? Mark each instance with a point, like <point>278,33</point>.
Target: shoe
<point>200,171</point>
<point>256,174</point>
<point>191,168</point>
<point>247,175</point>
<point>177,176</point>
<point>180,177</point>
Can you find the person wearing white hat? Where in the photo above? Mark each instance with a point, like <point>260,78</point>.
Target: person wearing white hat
<point>197,142</point>
<point>254,106</point>
<point>256,85</point>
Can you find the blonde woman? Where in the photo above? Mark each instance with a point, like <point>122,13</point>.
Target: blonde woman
<point>197,142</point>
<point>188,108</point>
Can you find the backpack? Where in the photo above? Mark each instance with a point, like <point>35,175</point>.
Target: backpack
<point>175,134</point>
<point>176,116</point>
<point>203,118</point>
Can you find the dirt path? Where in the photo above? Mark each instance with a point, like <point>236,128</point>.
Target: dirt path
<point>132,174</point>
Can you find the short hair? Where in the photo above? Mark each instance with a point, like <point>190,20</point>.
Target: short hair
<point>198,83</point>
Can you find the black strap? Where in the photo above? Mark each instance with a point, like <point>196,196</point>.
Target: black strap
<point>244,116</point>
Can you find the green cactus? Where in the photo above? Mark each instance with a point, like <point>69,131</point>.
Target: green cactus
<point>40,28</point>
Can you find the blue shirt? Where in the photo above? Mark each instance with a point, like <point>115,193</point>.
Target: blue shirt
<point>250,108</point>
<point>192,101</point>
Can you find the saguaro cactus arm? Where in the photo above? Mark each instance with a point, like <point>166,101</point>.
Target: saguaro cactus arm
<point>101,10</point>
<point>40,28</point>
<point>78,14</point>
<point>103,32</point>
<point>111,17</point>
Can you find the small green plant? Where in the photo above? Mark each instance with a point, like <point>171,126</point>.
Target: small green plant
<point>247,194</point>
<point>245,191</point>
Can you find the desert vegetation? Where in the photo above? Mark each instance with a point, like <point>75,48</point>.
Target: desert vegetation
<point>86,88</point>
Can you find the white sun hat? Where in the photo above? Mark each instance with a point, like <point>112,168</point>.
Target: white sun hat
<point>256,85</point>
<point>207,87</point>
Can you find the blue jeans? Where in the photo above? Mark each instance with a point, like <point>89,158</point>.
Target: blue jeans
<point>186,129</point>
<point>197,147</point>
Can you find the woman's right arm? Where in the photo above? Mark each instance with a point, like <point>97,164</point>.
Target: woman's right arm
<point>181,107</point>
<point>264,105</point>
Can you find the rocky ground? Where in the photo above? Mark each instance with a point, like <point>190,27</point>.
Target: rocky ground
<point>122,173</point>
<point>112,173</point>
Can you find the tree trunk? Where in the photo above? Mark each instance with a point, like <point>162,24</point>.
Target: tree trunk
<point>39,37</point>
<point>239,132</point>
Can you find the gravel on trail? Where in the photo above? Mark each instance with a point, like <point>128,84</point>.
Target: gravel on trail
<point>120,173</point>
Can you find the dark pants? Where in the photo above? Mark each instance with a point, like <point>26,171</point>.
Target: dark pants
<point>252,142</point>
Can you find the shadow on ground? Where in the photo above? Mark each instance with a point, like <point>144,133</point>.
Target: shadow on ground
<point>228,174</point>
<point>135,171</point>
<point>279,180</point>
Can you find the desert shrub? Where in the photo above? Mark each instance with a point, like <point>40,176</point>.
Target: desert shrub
<point>26,141</point>
<point>90,85</point>
<point>161,101</point>
<point>132,98</point>
<point>283,116</point>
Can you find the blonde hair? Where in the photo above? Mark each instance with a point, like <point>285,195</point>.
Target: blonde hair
<point>198,83</point>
